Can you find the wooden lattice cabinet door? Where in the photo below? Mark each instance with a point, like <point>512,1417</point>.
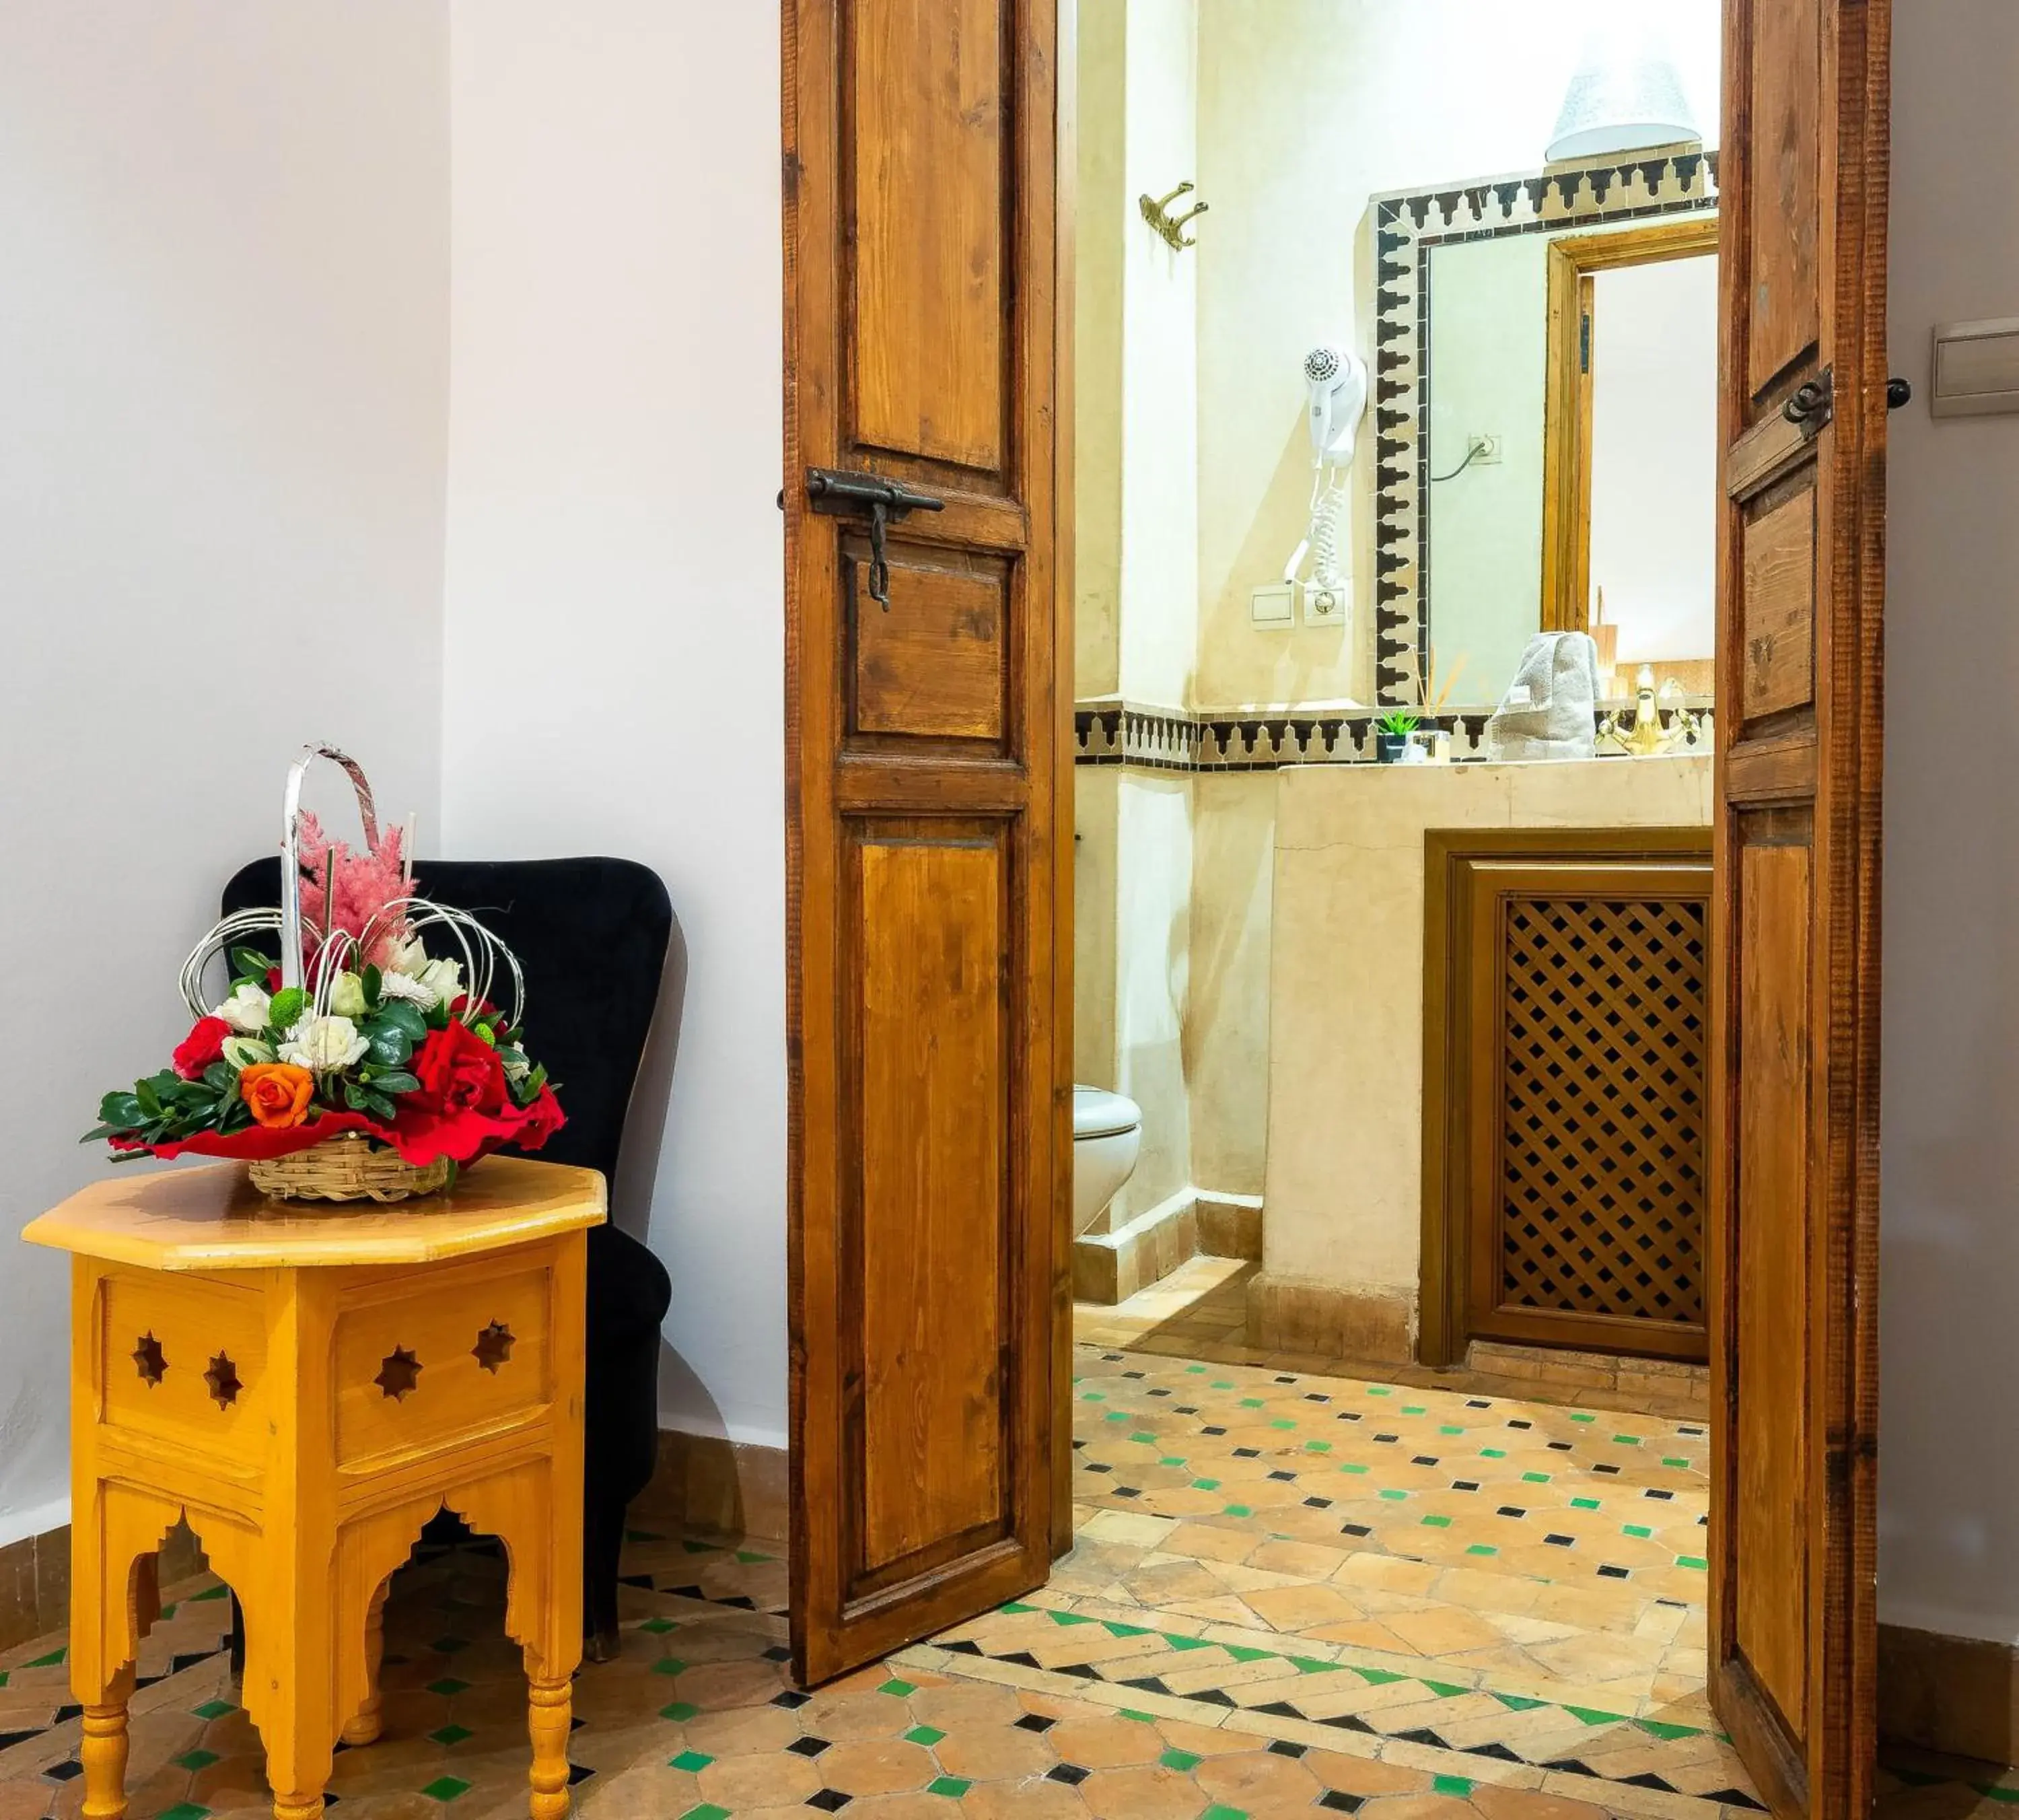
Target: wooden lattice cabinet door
<point>1565,1119</point>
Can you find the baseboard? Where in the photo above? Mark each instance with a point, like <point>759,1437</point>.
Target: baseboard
<point>714,1486</point>
<point>34,1579</point>
<point>1229,1225</point>
<point>1109,1268</point>
<point>1955,1694</point>
<point>1294,1314</point>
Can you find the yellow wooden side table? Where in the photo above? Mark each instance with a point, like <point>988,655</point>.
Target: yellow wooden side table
<point>307,1389</point>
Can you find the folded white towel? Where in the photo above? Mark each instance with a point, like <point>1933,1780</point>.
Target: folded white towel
<point>1549,710</point>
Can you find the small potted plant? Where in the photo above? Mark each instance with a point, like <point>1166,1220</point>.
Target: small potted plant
<point>1392,732</point>
<point>350,1060</point>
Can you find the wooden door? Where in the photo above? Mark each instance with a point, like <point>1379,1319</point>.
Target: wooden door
<point>1795,1100</point>
<point>929,1078</point>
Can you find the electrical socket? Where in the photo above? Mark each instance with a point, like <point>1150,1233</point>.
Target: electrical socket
<point>1483,449</point>
<point>1325,606</point>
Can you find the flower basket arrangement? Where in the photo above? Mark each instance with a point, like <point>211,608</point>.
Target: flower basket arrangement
<point>363,1060</point>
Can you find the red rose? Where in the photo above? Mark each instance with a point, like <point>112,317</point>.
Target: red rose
<point>460,1071</point>
<point>203,1046</point>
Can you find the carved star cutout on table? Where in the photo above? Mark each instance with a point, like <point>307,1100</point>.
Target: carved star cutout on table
<point>399,1373</point>
<point>223,1378</point>
<point>148,1357</point>
<point>493,1347</point>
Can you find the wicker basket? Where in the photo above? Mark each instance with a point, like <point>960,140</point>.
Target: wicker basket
<point>348,1168</point>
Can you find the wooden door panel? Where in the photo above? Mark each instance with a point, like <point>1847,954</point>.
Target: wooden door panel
<point>1774,1500</point>
<point>927,902</point>
<point>1793,1204</point>
<point>1779,635</point>
<point>1785,146</point>
<point>928,213</point>
<point>927,1257</point>
<point>936,664</point>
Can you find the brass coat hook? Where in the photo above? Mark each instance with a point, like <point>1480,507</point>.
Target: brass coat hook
<point>1157,211</point>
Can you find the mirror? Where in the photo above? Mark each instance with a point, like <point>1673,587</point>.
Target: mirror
<point>1559,423</point>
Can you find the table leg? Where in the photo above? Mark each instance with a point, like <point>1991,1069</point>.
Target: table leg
<point>364,1728</point>
<point>102,1753</point>
<point>550,1709</point>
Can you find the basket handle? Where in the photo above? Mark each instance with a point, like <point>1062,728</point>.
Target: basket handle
<point>291,856</point>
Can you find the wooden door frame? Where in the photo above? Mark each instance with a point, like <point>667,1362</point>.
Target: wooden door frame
<point>1573,260</point>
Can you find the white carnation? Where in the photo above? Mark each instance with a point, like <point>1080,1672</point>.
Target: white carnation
<point>325,1044</point>
<point>246,1009</point>
<point>402,986</point>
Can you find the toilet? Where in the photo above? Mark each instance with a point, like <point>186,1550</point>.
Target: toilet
<point>1107,1134</point>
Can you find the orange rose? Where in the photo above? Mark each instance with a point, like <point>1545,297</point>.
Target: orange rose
<point>278,1093</point>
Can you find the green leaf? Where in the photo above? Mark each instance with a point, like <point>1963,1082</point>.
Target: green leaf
<point>438,1018</point>
<point>373,979</point>
<point>249,963</point>
<point>399,1080</point>
<point>390,1044</point>
<point>485,1030</point>
<point>377,1103</point>
<point>285,1011</point>
<point>401,1014</point>
<point>221,1077</point>
<point>122,1111</point>
<point>150,1101</point>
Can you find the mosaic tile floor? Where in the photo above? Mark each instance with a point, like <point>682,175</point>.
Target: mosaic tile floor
<point>1293,1594</point>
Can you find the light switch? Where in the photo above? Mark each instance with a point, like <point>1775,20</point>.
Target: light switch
<point>1273,606</point>
<point>1977,368</point>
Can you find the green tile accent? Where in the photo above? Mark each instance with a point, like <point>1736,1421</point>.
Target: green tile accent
<point>1351,1468</point>
<point>692,1761</point>
<point>448,1687</point>
<point>1237,1510</point>
<point>1414,1409</point>
<point>1241,1652</point>
<point>1170,1460</point>
<point>1451,1428</point>
<point>1437,1522</point>
<point>1584,1503</point>
<point>897,1690</point>
<point>1519,1702</point>
<point>1482,1548</point>
<point>1996,1791</point>
<point>1205,1485</point>
<point>658,1626</point>
<point>1379,1678</point>
<point>168,1611</point>
<point>1582,1415</point>
<point>680,1711</point>
<point>1068,1618</point>
<point>49,1661</point>
<point>452,1735</point>
<point>707,1810</point>
<point>1626,1441</point>
<point>750,1558</point>
<point>213,1709</point>
<point>926,1734</point>
<point>1693,1560</point>
<point>1220,1384</point>
<point>1093,1396</point>
<point>1683,1463</point>
<point>1178,1642</point>
<point>1196,1371</point>
<point>182,1810</point>
<point>1395,1497</point>
<point>1115,1628</point>
<point>1135,1717</point>
<point>1142,1434</point>
<point>1380,1391</point>
<point>1535,1478</point>
<point>1282,1422</point>
<point>1594,1716</point>
<point>1493,1453</point>
<point>218,1591</point>
<point>197,1759</point>
<point>1639,1529</point>
<point>1306,1664</point>
<point>668,1665</point>
<point>1015,1608</point>
<point>1460,1786</point>
<point>953,1787</point>
<point>1317,1446</point>
<point>1180,1760</point>
<point>1118,1415</point>
<point>642,1535</point>
<point>1247,1402</point>
<point>446,1788</point>
<point>1662,1728</point>
<point>694,1547</point>
<point>1219,1810</point>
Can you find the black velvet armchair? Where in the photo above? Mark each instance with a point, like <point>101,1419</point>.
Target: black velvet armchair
<point>592,936</point>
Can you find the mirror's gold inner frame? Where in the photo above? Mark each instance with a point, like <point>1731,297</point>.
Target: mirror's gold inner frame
<point>1567,412</point>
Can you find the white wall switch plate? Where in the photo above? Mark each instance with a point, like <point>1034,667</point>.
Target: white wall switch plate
<point>1327,606</point>
<point>1484,448</point>
<point>1276,605</point>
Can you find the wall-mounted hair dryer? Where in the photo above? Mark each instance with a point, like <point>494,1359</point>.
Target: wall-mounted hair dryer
<point>1337,383</point>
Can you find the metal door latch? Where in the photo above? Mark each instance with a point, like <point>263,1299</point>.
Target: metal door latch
<point>844,495</point>
<point>1814,403</point>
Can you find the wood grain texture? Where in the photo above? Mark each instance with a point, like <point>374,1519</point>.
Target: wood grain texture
<point>1772,1526</point>
<point>937,665</point>
<point>940,122</point>
<point>925,78</point>
<point>1786,148</point>
<point>929,1251</point>
<point>1780,622</point>
<point>1803,194</point>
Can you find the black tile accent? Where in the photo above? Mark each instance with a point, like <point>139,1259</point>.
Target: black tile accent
<point>791,1699</point>
<point>1647,1779</point>
<point>829,1801</point>
<point>1349,1722</point>
<point>1510,1511</point>
<point>1035,1722</point>
<point>1070,1774</point>
<point>778,1652</point>
<point>1424,1460</point>
<point>1734,1798</point>
<point>1423,1734</point>
<point>1318,1503</point>
<point>1354,1529</point>
<point>578,1772</point>
<point>1284,1478</point>
<point>1283,1747</point>
<point>1465,1484</point>
<point>62,1772</point>
<point>1613,1573</point>
<point>961,1646</point>
<point>1248,1453</point>
<point>1339,1802</point>
<point>1150,1684</point>
<point>808,1746</point>
<point>1499,1753</point>
<point>1561,1540</point>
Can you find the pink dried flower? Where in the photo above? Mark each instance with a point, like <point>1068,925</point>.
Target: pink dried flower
<point>366,884</point>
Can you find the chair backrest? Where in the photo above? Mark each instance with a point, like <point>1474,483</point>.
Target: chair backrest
<point>592,935</point>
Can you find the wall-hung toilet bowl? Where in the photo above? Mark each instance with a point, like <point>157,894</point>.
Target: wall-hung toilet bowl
<point>1107,1134</point>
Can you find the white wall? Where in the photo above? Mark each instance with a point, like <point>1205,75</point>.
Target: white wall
<point>1948,1479</point>
<point>615,642</point>
<point>223,380</point>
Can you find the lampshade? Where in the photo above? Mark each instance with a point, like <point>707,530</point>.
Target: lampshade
<point>1626,96</point>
